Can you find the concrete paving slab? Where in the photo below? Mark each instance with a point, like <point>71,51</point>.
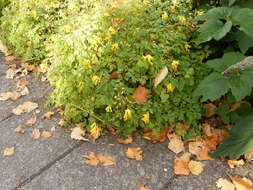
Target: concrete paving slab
<point>71,173</point>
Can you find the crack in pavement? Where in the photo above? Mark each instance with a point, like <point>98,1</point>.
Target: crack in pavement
<point>49,165</point>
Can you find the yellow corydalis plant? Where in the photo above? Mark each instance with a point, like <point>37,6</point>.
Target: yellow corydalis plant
<point>187,47</point>
<point>127,114</point>
<point>112,31</point>
<point>87,63</point>
<point>165,16</point>
<point>175,64</point>
<point>181,20</point>
<point>96,80</point>
<point>170,87</point>
<point>108,109</point>
<point>145,118</point>
<point>148,58</point>
<point>115,47</point>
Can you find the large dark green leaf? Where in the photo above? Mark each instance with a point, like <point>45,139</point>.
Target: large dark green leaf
<point>227,60</point>
<point>244,18</point>
<point>245,41</point>
<point>240,141</point>
<point>212,87</point>
<point>217,13</point>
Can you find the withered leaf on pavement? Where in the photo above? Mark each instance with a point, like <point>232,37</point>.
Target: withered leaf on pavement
<point>9,151</point>
<point>93,159</point>
<point>128,140</point>
<point>78,134</point>
<point>25,108</point>
<point>134,153</point>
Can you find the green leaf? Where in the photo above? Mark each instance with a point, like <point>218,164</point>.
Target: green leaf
<point>212,87</point>
<point>217,13</point>
<point>241,86</point>
<point>240,141</point>
<point>231,2</point>
<point>213,29</point>
<point>245,41</point>
<point>227,60</point>
<point>243,18</point>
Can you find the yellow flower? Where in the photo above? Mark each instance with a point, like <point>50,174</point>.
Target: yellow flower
<point>115,47</point>
<point>200,13</point>
<point>187,47</point>
<point>95,130</point>
<point>80,85</point>
<point>165,16</point>
<point>181,19</point>
<point>145,118</point>
<point>170,87</point>
<point>67,29</point>
<point>127,115</point>
<point>88,63</point>
<point>96,80</point>
<point>108,109</point>
<point>148,58</point>
<point>175,64</point>
<point>112,31</point>
<point>34,14</point>
<point>173,9</point>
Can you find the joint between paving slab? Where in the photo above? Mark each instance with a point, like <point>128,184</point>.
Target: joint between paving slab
<point>49,165</point>
<point>7,117</point>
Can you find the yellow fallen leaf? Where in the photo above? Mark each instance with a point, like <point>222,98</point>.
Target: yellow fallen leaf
<point>77,134</point>
<point>25,108</point>
<point>181,164</point>
<point>46,134</point>
<point>9,151</point>
<point>134,153</point>
<point>196,167</point>
<point>36,134</point>
<point>199,149</point>
<point>10,95</point>
<point>128,140</point>
<point>176,144</point>
<point>19,129</point>
<point>241,183</point>
<point>235,163</point>
<point>48,115</point>
<point>224,184</point>
<point>31,122</point>
<point>93,159</point>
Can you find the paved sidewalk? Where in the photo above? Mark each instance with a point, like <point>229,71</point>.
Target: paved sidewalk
<point>56,163</point>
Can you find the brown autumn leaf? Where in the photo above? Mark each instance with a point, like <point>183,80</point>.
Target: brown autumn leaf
<point>212,142</point>
<point>48,115</point>
<point>46,134</point>
<point>140,95</point>
<point>10,58</point>
<point>24,91</point>
<point>200,150</point>
<point>224,184</point>
<point>161,76</point>
<point>210,107</point>
<point>157,138</point>
<point>207,129</point>
<point>181,128</point>
<point>176,144</point>
<point>114,75</point>
<point>93,159</point>
<point>241,183</point>
<point>9,151</point>
<point>249,155</point>
<point>10,95</point>
<point>25,107</point>
<point>19,129</point>
<point>10,73</point>
<point>181,164</point>
<point>235,163</point>
<point>196,167</point>
<point>134,153</point>
<point>78,133</point>
<point>36,133</point>
<point>128,140</point>
<point>31,122</point>
<point>141,185</point>
<point>22,83</point>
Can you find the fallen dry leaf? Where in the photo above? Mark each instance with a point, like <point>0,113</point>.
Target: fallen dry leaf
<point>134,153</point>
<point>141,185</point>
<point>9,151</point>
<point>249,155</point>
<point>157,138</point>
<point>181,128</point>
<point>10,58</point>
<point>196,167</point>
<point>48,115</point>
<point>210,109</point>
<point>19,129</point>
<point>140,95</point>
<point>161,76</point>
<point>199,149</point>
<point>77,134</point>
<point>181,164</point>
<point>176,144</point>
<point>25,107</point>
<point>24,91</point>
<point>128,140</point>
<point>207,129</point>
<point>235,163</point>
<point>31,122</point>
<point>10,95</point>
<point>36,134</point>
<point>224,184</point>
<point>46,134</point>
<point>93,159</point>
<point>241,183</point>
<point>10,73</point>
<point>22,83</point>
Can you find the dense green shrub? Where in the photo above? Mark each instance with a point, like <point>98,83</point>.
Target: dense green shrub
<point>110,50</point>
